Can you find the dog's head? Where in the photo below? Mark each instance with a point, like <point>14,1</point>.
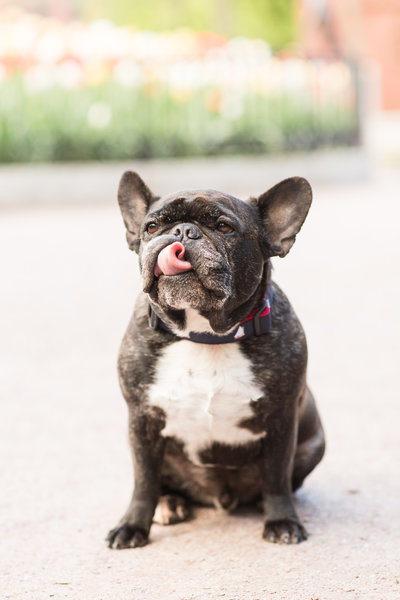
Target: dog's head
<point>207,250</point>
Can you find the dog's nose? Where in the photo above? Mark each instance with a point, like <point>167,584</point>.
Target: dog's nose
<point>187,230</point>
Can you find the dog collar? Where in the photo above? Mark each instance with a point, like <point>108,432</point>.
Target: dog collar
<point>257,323</point>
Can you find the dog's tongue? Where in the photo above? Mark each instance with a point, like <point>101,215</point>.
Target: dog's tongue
<point>171,261</point>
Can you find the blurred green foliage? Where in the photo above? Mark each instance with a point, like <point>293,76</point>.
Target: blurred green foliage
<point>83,91</point>
<point>110,121</point>
<point>272,20</point>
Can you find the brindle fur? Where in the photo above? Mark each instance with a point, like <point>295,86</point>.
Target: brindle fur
<point>224,292</point>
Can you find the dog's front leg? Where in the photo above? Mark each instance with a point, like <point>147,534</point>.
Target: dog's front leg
<point>282,523</point>
<point>147,451</point>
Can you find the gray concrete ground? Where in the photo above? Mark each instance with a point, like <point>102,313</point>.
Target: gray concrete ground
<point>67,288</point>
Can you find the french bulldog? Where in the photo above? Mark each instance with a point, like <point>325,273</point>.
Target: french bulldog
<point>213,363</point>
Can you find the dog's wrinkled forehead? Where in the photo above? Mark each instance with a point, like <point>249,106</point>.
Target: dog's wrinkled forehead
<point>191,205</point>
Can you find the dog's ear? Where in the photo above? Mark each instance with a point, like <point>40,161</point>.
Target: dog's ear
<point>134,199</point>
<point>283,210</point>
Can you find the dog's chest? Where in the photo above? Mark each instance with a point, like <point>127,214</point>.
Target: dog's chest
<point>205,392</point>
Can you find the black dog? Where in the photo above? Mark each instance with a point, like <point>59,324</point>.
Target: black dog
<point>213,363</point>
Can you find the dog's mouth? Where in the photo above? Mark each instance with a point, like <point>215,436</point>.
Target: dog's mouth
<point>173,269</point>
<point>164,257</point>
<point>149,258</point>
<point>171,262</point>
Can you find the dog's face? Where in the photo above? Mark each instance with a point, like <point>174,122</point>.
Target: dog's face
<point>220,236</point>
<point>207,250</point>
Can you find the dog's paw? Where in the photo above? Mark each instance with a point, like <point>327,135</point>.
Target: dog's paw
<point>284,531</point>
<point>127,536</point>
<point>171,509</point>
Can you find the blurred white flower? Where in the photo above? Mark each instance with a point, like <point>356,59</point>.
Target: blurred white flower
<point>100,40</point>
<point>128,73</point>
<point>249,51</point>
<point>69,74</point>
<point>147,45</point>
<point>294,75</point>
<point>39,78</point>
<point>99,115</point>
<point>186,74</point>
<point>50,47</point>
<point>17,38</point>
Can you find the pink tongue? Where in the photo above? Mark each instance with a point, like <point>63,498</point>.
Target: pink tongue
<point>170,260</point>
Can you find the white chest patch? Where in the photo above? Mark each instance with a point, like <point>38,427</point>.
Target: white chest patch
<point>205,391</point>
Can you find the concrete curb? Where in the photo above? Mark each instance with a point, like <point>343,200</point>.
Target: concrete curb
<point>93,183</point>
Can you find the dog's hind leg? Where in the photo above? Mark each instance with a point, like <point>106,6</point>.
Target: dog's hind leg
<point>171,509</point>
<point>308,455</point>
<point>311,441</point>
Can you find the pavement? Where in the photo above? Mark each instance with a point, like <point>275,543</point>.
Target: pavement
<point>68,284</point>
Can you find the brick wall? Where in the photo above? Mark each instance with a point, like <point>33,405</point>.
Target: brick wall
<point>360,29</point>
<point>381,21</point>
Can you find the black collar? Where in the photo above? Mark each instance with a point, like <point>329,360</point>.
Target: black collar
<point>257,323</point>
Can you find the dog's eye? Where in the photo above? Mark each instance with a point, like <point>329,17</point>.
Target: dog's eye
<point>152,227</point>
<point>224,227</point>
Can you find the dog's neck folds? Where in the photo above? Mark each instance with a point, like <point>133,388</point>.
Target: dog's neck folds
<point>198,329</point>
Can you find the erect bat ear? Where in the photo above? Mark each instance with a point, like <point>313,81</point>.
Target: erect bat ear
<point>283,210</point>
<point>134,199</point>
